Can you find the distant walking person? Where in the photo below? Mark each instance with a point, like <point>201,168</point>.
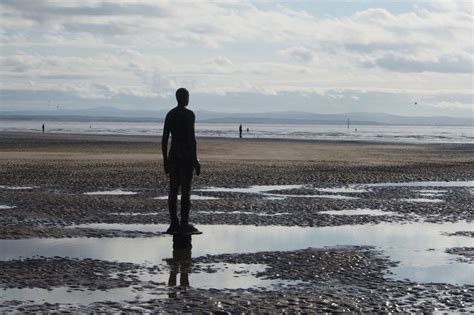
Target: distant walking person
<point>240,131</point>
<point>180,161</point>
<point>42,127</point>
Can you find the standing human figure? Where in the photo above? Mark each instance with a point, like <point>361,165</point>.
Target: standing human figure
<point>42,127</point>
<point>240,131</point>
<point>180,161</point>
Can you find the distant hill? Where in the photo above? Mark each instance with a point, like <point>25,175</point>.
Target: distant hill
<point>286,117</point>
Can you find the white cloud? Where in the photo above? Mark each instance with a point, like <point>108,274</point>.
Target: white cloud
<point>299,53</point>
<point>222,61</point>
<point>454,105</point>
<point>461,63</point>
<point>148,48</point>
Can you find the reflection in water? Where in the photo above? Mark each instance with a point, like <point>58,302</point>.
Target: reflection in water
<point>223,276</point>
<point>420,247</point>
<point>181,261</point>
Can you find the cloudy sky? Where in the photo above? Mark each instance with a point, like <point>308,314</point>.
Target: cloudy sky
<point>239,56</point>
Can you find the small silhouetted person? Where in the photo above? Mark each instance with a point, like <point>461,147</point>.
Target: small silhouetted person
<point>42,127</point>
<point>240,131</point>
<point>181,261</point>
<point>180,161</point>
<point>248,130</point>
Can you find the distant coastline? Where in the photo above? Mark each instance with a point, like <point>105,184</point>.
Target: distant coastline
<point>278,118</point>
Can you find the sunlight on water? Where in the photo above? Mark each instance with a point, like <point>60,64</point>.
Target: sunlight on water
<point>422,200</point>
<point>116,192</point>
<point>369,212</point>
<point>193,197</point>
<point>17,187</point>
<point>420,247</point>
<point>257,189</point>
<point>421,184</point>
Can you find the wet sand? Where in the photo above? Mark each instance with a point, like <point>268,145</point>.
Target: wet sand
<point>57,170</point>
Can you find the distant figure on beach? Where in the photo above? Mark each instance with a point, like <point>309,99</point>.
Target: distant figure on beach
<point>240,131</point>
<point>42,127</point>
<point>180,161</point>
<point>248,130</point>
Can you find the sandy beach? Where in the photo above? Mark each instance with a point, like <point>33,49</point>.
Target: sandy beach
<point>58,186</point>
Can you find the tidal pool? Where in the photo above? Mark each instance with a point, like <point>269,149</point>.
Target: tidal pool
<point>260,214</point>
<point>311,196</point>
<point>346,190</point>
<point>116,192</point>
<point>257,189</point>
<point>369,212</point>
<point>17,187</point>
<point>226,276</point>
<point>467,183</point>
<point>420,247</point>
<point>193,197</point>
<point>428,200</point>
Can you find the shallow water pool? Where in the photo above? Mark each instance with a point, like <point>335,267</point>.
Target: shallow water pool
<point>420,247</point>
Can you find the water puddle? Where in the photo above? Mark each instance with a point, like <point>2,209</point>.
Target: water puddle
<point>275,198</point>
<point>427,200</point>
<point>342,197</point>
<point>430,195</point>
<point>258,189</point>
<point>369,212</point>
<point>431,191</point>
<point>64,295</point>
<point>6,207</point>
<point>420,247</point>
<point>17,187</point>
<point>345,190</point>
<point>261,214</point>
<point>421,184</point>
<point>269,192</point>
<point>133,214</point>
<point>193,197</point>
<point>111,192</point>
<point>225,276</point>
<point>265,189</point>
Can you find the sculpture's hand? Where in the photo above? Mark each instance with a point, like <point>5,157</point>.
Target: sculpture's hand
<point>197,168</point>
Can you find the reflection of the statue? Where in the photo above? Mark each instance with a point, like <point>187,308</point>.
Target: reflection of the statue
<point>181,261</point>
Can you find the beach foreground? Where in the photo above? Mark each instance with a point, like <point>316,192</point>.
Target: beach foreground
<point>83,216</point>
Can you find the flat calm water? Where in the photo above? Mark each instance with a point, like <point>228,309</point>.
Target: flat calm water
<point>420,247</point>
